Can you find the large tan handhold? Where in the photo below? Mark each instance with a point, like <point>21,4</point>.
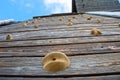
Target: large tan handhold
<point>96,32</point>
<point>55,61</point>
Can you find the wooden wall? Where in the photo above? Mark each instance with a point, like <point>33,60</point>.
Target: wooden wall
<point>97,5</point>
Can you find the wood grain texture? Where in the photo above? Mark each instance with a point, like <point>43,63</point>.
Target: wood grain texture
<point>96,5</point>
<point>61,41</point>
<point>73,49</point>
<point>45,34</point>
<point>92,57</point>
<point>80,65</point>
<point>48,23</point>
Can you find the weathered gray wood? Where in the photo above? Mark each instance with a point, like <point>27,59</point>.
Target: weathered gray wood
<point>108,77</point>
<point>80,65</point>
<point>92,57</point>
<point>67,33</point>
<point>49,22</point>
<point>68,49</point>
<point>73,49</point>
<point>75,26</point>
<point>61,41</point>
<point>96,5</point>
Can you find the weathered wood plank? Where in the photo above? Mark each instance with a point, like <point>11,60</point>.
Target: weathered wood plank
<point>80,65</point>
<point>108,77</point>
<point>42,26</point>
<point>45,34</point>
<point>61,41</point>
<point>74,27</point>
<point>92,57</point>
<point>71,50</point>
<point>79,19</point>
<point>96,5</point>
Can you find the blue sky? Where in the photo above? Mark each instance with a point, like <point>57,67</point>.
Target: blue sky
<point>20,10</point>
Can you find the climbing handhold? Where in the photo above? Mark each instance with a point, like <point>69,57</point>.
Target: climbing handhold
<point>96,32</point>
<point>98,21</point>
<point>25,24</point>
<point>9,37</point>
<point>119,24</point>
<point>55,61</point>
<point>36,26</point>
<point>89,18</point>
<point>69,23</point>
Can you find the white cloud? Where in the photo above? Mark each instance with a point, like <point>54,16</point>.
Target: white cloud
<point>58,6</point>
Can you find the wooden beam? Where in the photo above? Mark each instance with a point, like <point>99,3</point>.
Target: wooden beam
<point>88,65</point>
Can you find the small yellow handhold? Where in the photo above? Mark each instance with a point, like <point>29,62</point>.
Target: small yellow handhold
<point>80,15</point>
<point>33,21</point>
<point>63,17</point>
<point>89,18</point>
<point>98,21</point>
<point>55,61</point>
<point>9,37</point>
<point>52,19</point>
<point>25,24</point>
<point>69,24</point>
<point>69,20</point>
<point>43,19</point>
<point>36,26</point>
<point>60,19</point>
<point>119,24</point>
<point>96,32</point>
<point>74,17</point>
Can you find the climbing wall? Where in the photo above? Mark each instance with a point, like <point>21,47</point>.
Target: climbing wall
<point>23,46</point>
